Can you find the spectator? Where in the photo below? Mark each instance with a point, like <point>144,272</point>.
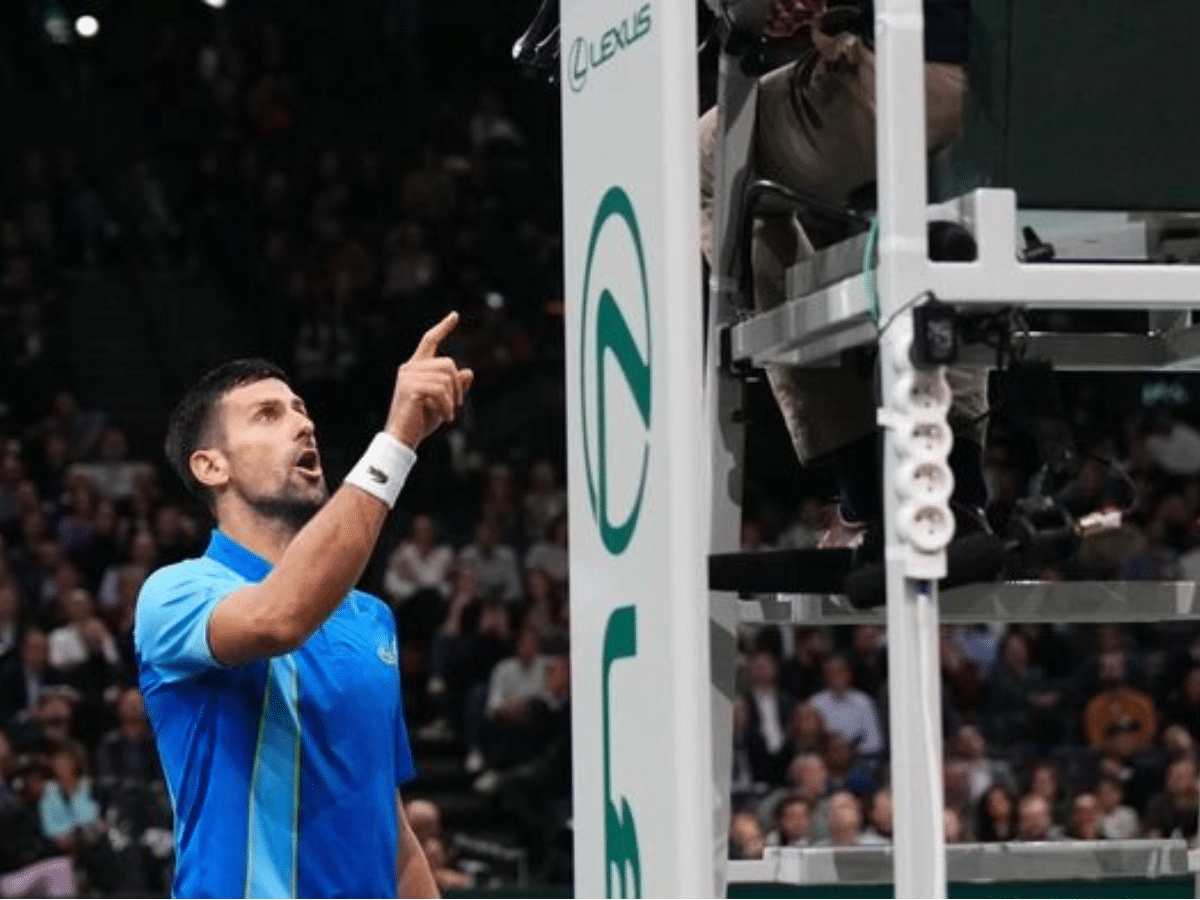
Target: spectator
<point>868,659</point>
<point>494,564</point>
<point>879,818</point>
<point>1184,708</point>
<point>1045,782</point>
<point>537,793</point>
<point>962,680</point>
<point>1034,822</point>
<point>845,821</point>
<point>23,679</point>
<point>806,730</point>
<point>10,622</point>
<point>808,779</point>
<point>84,638</point>
<point>767,709</point>
<point>801,673</point>
<point>30,864</point>
<point>954,833</point>
<point>419,563</point>
<point>1119,705</point>
<point>127,755</point>
<point>956,784</point>
<point>175,537</point>
<point>1118,822</point>
<point>70,814</point>
<point>143,556</point>
<point>1086,823</point>
<point>472,640</point>
<point>545,502</point>
<point>846,771</point>
<point>505,735</point>
<point>995,818</point>
<point>793,820</point>
<point>1173,812</point>
<point>550,556</point>
<point>969,745</point>
<point>746,839</point>
<point>113,474</point>
<point>1021,706</point>
<point>846,711</point>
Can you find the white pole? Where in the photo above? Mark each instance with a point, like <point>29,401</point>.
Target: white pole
<point>723,397</point>
<point>640,669</point>
<point>914,685</point>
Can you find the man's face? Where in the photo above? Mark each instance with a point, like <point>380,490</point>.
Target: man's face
<point>485,536</point>
<point>1085,814</point>
<point>79,606</point>
<point>837,675</point>
<point>54,715</point>
<point>794,821</point>
<point>762,671</point>
<point>422,531</point>
<point>264,450</point>
<point>1033,820</point>
<point>528,645</point>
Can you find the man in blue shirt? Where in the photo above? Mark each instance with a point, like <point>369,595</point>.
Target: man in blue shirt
<point>273,686</point>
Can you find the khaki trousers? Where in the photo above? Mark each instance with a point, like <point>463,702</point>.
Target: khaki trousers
<point>830,155</point>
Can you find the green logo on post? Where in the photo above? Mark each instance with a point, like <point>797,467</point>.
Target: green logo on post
<point>621,855</point>
<point>611,335</point>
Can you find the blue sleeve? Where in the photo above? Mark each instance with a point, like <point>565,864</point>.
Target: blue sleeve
<point>56,818</point>
<point>170,632</point>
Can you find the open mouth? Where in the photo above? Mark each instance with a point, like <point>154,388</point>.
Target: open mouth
<point>309,463</point>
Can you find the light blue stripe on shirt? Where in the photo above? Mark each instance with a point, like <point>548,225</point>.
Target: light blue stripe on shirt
<point>275,787</point>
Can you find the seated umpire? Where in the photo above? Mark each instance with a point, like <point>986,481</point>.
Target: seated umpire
<point>815,132</point>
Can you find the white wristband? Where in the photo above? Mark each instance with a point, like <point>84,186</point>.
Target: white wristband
<point>383,469</point>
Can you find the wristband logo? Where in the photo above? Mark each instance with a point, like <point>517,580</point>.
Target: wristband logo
<point>615,268</point>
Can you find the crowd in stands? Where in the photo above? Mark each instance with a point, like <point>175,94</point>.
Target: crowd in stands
<point>341,250</point>
<point>1051,732</point>
<point>345,251</point>
<point>484,641</point>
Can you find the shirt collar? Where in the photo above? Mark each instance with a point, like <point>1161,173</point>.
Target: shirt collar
<point>232,555</point>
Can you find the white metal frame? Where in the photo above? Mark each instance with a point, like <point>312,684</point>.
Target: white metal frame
<point>904,272</point>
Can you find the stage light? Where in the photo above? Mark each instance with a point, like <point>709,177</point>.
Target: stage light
<point>215,4</point>
<point>87,26</point>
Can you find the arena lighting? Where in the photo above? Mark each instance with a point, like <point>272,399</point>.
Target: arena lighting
<point>58,28</point>
<point>87,26</point>
<point>214,4</point>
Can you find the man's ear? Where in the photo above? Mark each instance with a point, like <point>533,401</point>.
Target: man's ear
<point>210,467</point>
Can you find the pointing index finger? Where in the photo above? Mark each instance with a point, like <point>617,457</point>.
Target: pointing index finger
<point>428,347</point>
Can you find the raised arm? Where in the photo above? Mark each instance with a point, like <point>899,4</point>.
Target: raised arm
<point>327,556</point>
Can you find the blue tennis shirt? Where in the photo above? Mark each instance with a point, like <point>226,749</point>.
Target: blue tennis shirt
<point>282,772</point>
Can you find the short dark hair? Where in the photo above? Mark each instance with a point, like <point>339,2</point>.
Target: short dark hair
<point>190,421</point>
<point>793,799</point>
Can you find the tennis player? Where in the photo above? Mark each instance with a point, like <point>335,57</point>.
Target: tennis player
<point>272,685</point>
